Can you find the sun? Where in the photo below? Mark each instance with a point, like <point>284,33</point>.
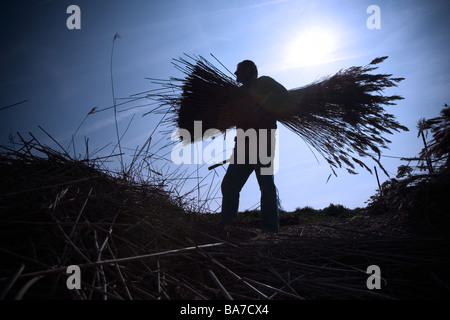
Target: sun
<point>310,47</point>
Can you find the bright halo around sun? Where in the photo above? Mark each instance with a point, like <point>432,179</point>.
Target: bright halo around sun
<point>310,47</point>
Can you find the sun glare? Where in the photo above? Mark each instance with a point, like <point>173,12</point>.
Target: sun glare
<point>310,47</point>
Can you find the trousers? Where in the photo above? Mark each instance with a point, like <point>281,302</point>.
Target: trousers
<point>234,180</point>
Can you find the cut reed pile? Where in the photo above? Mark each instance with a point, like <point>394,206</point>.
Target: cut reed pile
<point>57,211</point>
<point>132,240</point>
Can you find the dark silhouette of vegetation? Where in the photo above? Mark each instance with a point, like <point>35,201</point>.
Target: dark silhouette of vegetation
<point>305,214</point>
<point>438,148</point>
<point>134,240</point>
<point>419,195</point>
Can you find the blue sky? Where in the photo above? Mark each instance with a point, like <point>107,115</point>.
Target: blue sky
<point>64,73</point>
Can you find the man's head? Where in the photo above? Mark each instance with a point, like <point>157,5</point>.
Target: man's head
<point>246,72</point>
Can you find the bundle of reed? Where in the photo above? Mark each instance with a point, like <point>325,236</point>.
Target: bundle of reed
<point>206,94</point>
<point>341,116</point>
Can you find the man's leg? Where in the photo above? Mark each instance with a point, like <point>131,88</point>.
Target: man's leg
<point>269,202</point>
<point>233,181</point>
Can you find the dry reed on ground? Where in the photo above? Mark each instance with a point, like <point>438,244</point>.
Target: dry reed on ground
<point>342,116</point>
<point>58,211</point>
<point>132,240</point>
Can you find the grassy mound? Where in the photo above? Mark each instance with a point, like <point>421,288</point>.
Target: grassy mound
<point>135,240</point>
<point>58,211</point>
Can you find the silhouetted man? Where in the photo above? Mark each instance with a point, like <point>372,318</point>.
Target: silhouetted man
<point>264,94</point>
